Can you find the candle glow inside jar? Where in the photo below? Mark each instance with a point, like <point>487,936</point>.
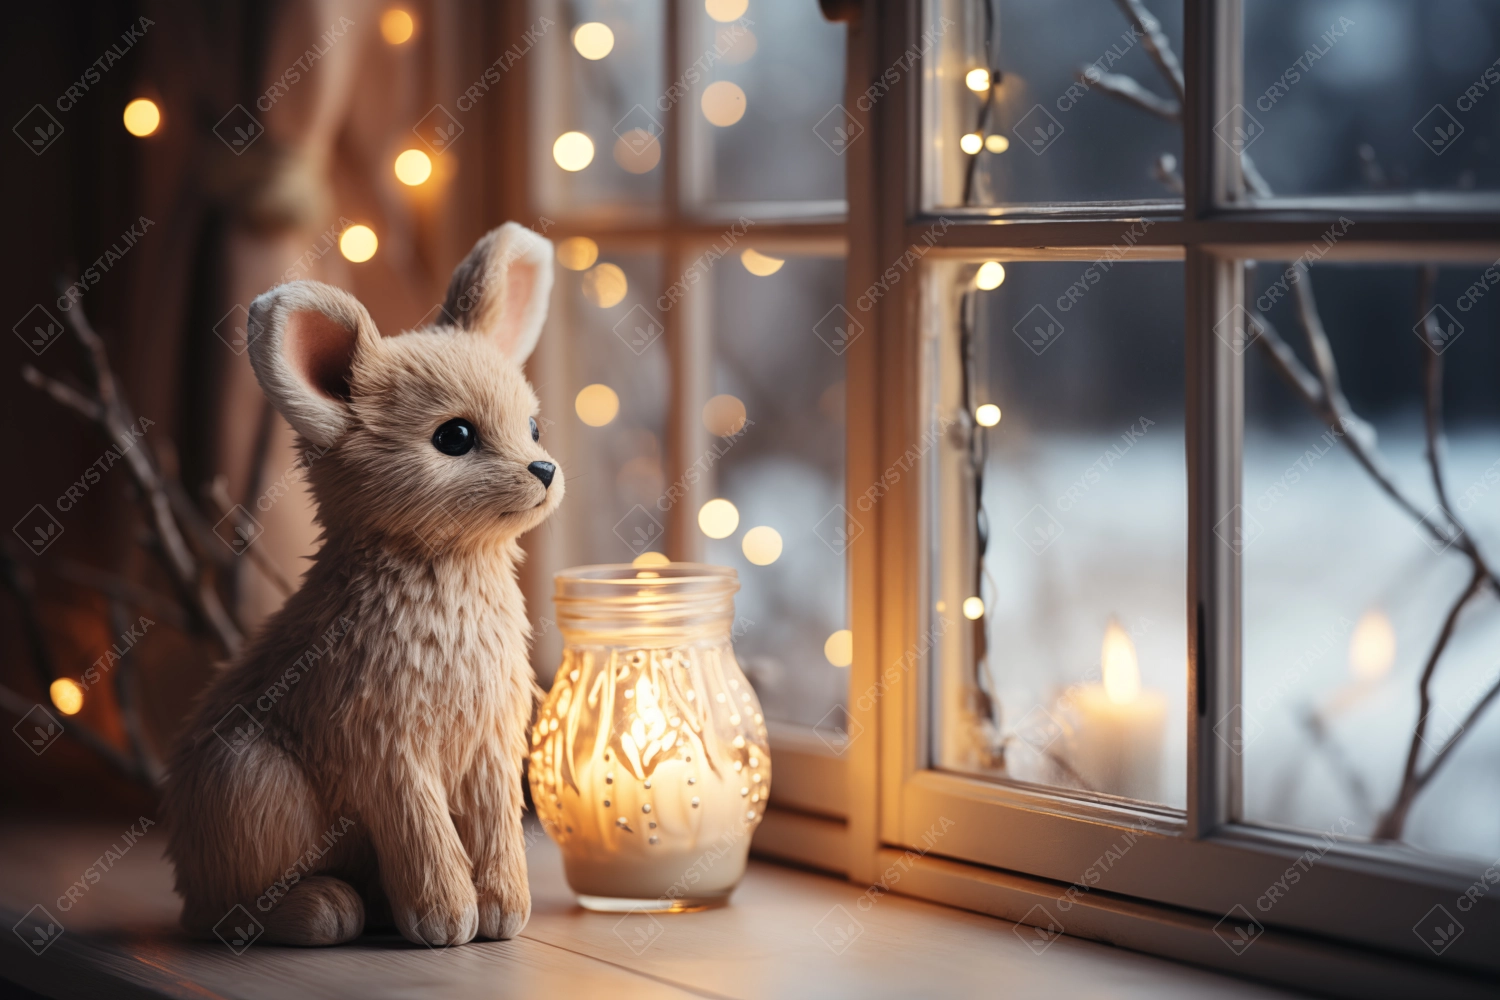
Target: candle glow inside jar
<point>649,759</point>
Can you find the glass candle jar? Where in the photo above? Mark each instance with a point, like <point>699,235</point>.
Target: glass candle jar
<point>649,760</point>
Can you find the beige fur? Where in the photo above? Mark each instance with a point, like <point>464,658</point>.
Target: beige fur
<point>394,687</point>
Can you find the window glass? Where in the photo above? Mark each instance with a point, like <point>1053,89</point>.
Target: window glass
<point>1019,111</point>
<point>1373,97</point>
<point>770,76</point>
<point>1061,656</point>
<point>777,452</point>
<point>1348,582</point>
<point>596,126</point>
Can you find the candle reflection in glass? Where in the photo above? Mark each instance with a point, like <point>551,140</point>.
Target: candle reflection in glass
<point>1117,746</point>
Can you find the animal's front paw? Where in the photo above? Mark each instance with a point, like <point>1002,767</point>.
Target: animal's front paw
<point>504,904</point>
<point>441,917</point>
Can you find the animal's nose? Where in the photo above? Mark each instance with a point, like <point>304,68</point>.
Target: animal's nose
<point>543,471</point>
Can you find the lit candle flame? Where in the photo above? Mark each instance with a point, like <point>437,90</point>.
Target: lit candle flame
<point>1122,674</point>
<point>1372,647</point>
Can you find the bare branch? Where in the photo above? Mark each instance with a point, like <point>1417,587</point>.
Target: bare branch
<point>1128,90</point>
<point>1156,43</point>
<point>1165,171</point>
<point>1285,361</point>
<point>63,393</point>
<point>118,588</point>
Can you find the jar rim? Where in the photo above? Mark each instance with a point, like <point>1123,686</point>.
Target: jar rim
<point>629,575</point>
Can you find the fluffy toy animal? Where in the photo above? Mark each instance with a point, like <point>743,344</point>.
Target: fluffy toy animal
<point>364,751</point>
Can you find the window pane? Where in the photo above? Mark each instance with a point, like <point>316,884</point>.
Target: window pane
<point>1346,587</point>
<point>769,76</point>
<point>595,123</point>
<point>1081,636</point>
<point>604,419</point>
<point>1371,98</point>
<point>777,424</point>
<point>1051,132</point>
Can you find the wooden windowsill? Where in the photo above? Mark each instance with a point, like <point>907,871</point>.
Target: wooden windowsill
<point>121,940</point>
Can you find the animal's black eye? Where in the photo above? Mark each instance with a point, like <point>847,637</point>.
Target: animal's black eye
<point>536,432</point>
<point>456,437</point>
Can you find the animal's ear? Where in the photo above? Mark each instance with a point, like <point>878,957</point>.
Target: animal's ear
<point>303,340</point>
<point>501,289</point>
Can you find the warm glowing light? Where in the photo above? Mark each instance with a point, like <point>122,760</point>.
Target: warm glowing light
<point>839,649</point>
<point>596,404</point>
<point>605,286</point>
<point>718,518</point>
<point>762,545</point>
<point>988,415</point>
<point>726,10</point>
<point>142,117</point>
<point>637,151</point>
<point>1372,647</point>
<point>648,560</point>
<point>759,264</point>
<point>67,695</point>
<point>577,253</point>
<point>593,40</point>
<point>413,167</point>
<point>723,103</point>
<point>971,143</point>
<point>977,80</point>
<point>991,275</point>
<point>573,151</point>
<point>358,243</point>
<point>973,608</point>
<point>996,143</point>
<point>724,415</point>
<point>1122,675</point>
<point>396,26</point>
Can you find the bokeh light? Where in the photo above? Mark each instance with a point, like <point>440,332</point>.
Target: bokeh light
<point>593,40</point>
<point>723,103</point>
<point>605,285</point>
<point>987,415</point>
<point>977,80</point>
<point>718,518</point>
<point>973,608</point>
<point>358,244</point>
<point>761,545</point>
<point>971,143</point>
<point>991,275</point>
<point>839,648</point>
<point>142,117</point>
<point>759,264</point>
<point>650,560</point>
<point>67,695</point>
<point>726,10</point>
<point>597,404</point>
<point>724,415</point>
<point>637,151</point>
<point>577,253</point>
<point>573,151</point>
<point>397,26</point>
<point>413,167</point>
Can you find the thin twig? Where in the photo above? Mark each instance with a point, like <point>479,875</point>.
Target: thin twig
<point>117,423</point>
<point>1128,90</point>
<point>218,493</point>
<point>1390,825</point>
<point>125,696</point>
<point>118,588</point>
<point>63,393</point>
<point>1157,45</point>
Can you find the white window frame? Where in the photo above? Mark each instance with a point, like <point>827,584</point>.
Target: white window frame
<point>1347,927</point>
